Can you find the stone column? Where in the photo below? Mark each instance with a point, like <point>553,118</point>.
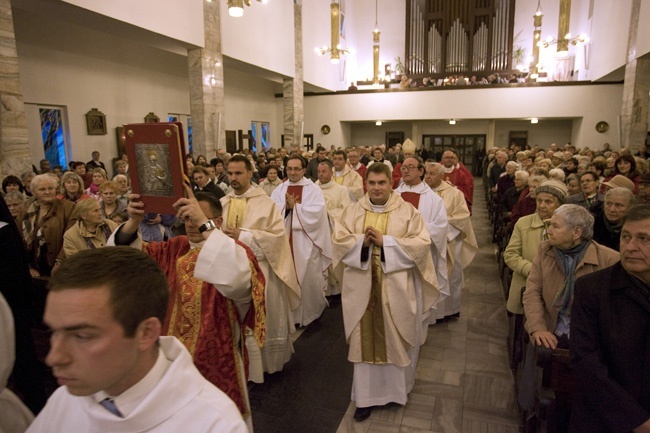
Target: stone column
<point>634,112</point>
<point>292,89</point>
<point>205,67</point>
<point>15,157</point>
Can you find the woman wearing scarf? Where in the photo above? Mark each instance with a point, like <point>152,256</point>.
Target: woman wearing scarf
<point>99,177</point>
<point>568,254</point>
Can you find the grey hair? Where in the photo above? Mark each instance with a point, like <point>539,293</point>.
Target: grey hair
<point>513,164</point>
<point>523,174</point>
<point>624,192</point>
<point>577,216</point>
<point>557,174</point>
<point>44,178</point>
<point>436,166</point>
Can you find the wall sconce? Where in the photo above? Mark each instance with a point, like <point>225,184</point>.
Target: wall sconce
<point>335,49</point>
<point>378,123</point>
<point>534,120</point>
<point>452,122</point>
<point>236,7</point>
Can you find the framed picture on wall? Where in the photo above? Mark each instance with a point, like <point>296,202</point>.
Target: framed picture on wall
<point>156,154</point>
<point>95,122</point>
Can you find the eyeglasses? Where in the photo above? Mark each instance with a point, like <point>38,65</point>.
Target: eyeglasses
<point>409,167</point>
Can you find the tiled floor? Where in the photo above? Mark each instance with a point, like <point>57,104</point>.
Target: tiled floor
<point>463,381</point>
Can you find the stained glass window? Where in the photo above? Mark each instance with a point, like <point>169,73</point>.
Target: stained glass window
<point>53,136</point>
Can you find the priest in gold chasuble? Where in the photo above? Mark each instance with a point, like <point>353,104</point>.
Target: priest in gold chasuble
<point>381,249</point>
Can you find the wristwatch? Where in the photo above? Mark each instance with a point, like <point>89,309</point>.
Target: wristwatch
<point>206,226</point>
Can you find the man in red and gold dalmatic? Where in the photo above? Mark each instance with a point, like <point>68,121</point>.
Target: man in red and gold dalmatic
<point>216,291</point>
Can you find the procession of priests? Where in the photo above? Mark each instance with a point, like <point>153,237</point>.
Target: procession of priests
<point>252,267</point>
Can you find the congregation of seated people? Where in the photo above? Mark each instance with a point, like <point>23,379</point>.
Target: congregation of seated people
<point>558,214</point>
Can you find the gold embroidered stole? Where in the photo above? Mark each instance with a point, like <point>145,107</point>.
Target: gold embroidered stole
<point>185,321</point>
<point>373,337</point>
<point>338,179</point>
<point>236,209</point>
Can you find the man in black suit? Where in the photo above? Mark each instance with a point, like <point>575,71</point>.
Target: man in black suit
<point>203,182</point>
<point>95,162</point>
<point>610,337</point>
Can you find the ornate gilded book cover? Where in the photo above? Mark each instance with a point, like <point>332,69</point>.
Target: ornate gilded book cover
<point>157,156</point>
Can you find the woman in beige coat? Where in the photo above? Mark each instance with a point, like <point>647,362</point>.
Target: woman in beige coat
<point>90,231</point>
<point>549,288</point>
<point>528,233</point>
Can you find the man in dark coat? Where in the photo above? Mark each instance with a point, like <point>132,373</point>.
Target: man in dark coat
<point>610,337</point>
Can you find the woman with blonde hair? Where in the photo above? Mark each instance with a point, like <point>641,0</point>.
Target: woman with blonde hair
<point>90,231</point>
<point>72,188</point>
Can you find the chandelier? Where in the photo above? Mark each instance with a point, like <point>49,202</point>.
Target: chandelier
<point>336,50</point>
<point>236,7</point>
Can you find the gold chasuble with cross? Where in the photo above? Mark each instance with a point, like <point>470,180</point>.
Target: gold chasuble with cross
<point>384,290</point>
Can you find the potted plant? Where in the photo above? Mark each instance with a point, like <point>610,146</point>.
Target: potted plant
<point>399,67</point>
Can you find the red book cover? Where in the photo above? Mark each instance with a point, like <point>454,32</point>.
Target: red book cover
<point>157,157</point>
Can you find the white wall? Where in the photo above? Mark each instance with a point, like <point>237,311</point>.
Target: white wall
<point>611,23</point>
<point>249,98</point>
<point>592,103</point>
<point>80,69</point>
<point>178,19</point>
<point>262,37</point>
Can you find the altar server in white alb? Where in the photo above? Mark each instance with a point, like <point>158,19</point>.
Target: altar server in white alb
<point>413,190</point>
<point>462,246</point>
<point>302,205</point>
<point>117,373</point>
<point>382,251</point>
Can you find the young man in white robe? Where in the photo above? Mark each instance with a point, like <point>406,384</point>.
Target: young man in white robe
<point>337,198</point>
<point>462,243</point>
<point>382,252</point>
<point>252,218</point>
<point>117,373</point>
<point>414,191</point>
<point>345,176</point>
<point>302,205</point>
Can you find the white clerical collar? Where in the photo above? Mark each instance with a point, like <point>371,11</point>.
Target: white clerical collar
<point>339,173</point>
<point>437,188</point>
<point>357,167</point>
<point>379,208</point>
<point>448,169</point>
<point>132,397</point>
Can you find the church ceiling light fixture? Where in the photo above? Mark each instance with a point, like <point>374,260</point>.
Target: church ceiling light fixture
<point>336,50</point>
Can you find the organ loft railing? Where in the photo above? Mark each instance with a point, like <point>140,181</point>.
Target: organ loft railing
<point>458,36</point>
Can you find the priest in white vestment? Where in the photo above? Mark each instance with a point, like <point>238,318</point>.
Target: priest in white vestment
<point>462,243</point>
<point>337,198</point>
<point>252,218</point>
<point>302,205</point>
<point>413,190</point>
<point>345,176</point>
<point>382,251</point>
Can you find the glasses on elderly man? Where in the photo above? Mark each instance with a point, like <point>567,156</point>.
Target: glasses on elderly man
<point>409,167</point>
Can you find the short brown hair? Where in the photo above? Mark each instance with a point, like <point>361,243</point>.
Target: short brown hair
<point>379,168</point>
<point>138,288</point>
